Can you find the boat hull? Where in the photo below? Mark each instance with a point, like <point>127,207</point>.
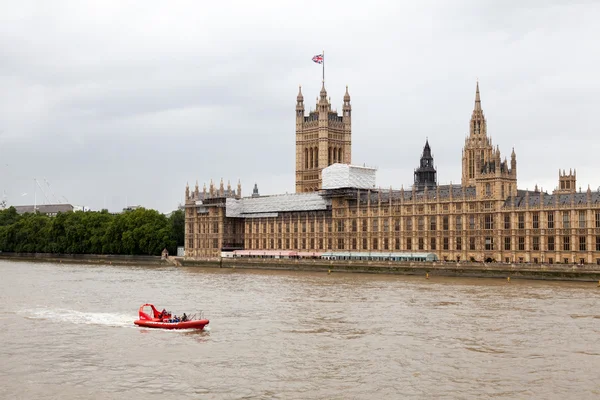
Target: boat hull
<point>195,324</point>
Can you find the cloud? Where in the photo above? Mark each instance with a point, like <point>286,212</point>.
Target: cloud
<point>128,100</point>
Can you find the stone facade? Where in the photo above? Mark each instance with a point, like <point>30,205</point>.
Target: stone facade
<point>486,218</point>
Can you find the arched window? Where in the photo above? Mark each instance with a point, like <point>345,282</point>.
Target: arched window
<point>310,152</point>
<point>316,157</point>
<point>306,158</point>
<point>335,154</point>
<point>341,158</point>
<point>488,189</point>
<point>329,156</point>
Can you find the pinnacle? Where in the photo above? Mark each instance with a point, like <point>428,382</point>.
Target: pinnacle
<point>477,98</point>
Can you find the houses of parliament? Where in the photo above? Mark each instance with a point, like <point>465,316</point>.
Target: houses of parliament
<point>486,218</point>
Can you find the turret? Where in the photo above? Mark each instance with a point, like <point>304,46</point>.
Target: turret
<point>255,191</point>
<point>221,188</point>
<point>299,106</point>
<point>347,108</point>
<point>239,189</point>
<point>187,191</point>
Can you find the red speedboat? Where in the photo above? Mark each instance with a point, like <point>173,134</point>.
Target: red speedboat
<point>165,320</point>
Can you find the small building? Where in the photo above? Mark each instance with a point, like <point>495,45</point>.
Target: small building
<point>50,210</point>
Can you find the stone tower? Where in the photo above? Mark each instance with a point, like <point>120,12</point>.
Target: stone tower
<point>482,165</point>
<point>425,175</point>
<point>567,183</point>
<point>322,138</point>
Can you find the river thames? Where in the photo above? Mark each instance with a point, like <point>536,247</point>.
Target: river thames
<point>68,333</point>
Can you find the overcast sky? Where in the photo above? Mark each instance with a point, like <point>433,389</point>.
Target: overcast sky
<point>108,102</point>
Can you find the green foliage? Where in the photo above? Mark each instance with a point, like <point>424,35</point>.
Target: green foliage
<point>139,232</point>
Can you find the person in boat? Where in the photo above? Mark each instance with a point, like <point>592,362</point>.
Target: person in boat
<point>184,318</point>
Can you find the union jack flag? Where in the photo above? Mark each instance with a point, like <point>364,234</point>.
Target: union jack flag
<point>318,58</point>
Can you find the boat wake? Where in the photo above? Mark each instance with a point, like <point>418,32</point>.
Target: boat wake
<point>79,317</point>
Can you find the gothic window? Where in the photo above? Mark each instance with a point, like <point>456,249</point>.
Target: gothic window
<point>550,243</point>
<point>432,246</point>
<point>421,223</point>
<point>471,222</point>
<point>408,224</point>
<point>446,243</point>
<point>459,244</point>
<point>445,223</point>
<point>489,243</point>
<point>306,158</point>
<point>432,223</point>
<point>597,219</point>
<point>408,243</point>
<point>550,219</point>
<point>521,243</point>
<point>472,243</point>
<point>458,222</point>
<point>566,220</point>
<point>597,243</point>
<point>375,226</point>
<point>488,189</point>
<point>421,244</point>
<point>353,243</point>
<point>536,243</point>
<point>566,243</point>
<point>521,220</point>
<point>375,243</point>
<point>507,221</point>
<point>582,246</point>
<point>316,157</point>
<point>536,220</point>
<point>489,221</point>
<point>582,219</point>
<point>365,244</point>
<point>507,243</point>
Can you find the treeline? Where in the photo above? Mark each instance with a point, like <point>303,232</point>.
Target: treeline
<point>138,232</point>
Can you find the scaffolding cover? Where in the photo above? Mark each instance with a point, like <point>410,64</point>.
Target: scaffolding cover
<point>338,176</point>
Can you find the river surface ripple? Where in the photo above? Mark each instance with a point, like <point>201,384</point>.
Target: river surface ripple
<point>68,333</point>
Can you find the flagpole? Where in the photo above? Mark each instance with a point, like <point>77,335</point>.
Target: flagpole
<point>323,66</point>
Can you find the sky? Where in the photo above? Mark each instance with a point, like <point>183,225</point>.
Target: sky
<point>112,103</point>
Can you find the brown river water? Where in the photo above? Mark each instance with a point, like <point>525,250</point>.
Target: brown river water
<point>67,333</point>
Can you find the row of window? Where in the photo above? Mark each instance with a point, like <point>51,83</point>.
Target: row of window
<point>473,221</point>
<point>552,244</point>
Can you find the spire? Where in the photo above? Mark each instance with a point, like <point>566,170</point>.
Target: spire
<point>323,95</point>
<point>427,149</point>
<point>239,189</point>
<point>346,95</point>
<point>477,98</point>
<point>300,98</point>
<point>255,191</point>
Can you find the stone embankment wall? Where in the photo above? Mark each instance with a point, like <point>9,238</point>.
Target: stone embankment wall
<point>86,258</point>
<point>588,272</point>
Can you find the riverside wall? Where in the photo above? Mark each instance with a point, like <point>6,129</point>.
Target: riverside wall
<point>587,272</point>
<point>564,272</point>
<point>87,258</point>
